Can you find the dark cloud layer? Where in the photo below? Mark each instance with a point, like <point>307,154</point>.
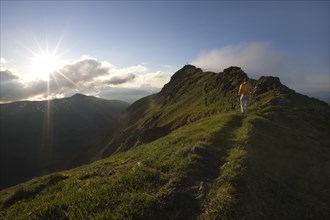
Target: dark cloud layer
<point>80,72</point>
<point>10,87</point>
<point>117,80</point>
<point>7,76</point>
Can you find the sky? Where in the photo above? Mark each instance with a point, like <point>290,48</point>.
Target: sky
<point>129,49</point>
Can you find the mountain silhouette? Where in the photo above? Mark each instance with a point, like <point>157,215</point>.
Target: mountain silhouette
<point>42,137</point>
<point>188,152</point>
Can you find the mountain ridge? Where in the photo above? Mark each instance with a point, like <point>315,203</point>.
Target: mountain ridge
<point>217,93</point>
<point>188,153</point>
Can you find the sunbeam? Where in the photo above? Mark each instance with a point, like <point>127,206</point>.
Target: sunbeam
<point>67,78</point>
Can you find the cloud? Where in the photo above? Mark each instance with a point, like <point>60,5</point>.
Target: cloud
<point>154,79</point>
<point>257,57</point>
<point>87,71</point>
<point>2,60</point>
<point>263,58</point>
<point>10,86</point>
<point>3,63</point>
<point>117,80</point>
<point>86,75</point>
<point>7,76</point>
<point>81,72</point>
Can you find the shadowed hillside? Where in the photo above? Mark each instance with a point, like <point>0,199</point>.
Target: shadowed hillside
<point>42,137</point>
<point>188,153</point>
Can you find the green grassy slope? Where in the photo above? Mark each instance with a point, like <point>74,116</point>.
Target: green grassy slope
<point>241,166</point>
<point>190,96</point>
<point>273,163</point>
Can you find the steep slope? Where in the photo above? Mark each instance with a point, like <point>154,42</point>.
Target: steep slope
<point>42,137</point>
<point>212,163</point>
<point>190,95</point>
<point>183,100</point>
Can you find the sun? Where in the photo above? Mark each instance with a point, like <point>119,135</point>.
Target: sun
<point>44,63</point>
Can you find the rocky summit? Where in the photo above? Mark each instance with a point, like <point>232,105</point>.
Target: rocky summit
<point>188,152</point>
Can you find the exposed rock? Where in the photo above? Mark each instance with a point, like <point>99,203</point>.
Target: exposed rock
<point>233,69</point>
<point>267,83</point>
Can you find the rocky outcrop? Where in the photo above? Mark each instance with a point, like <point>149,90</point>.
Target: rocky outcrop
<point>180,82</point>
<point>267,83</point>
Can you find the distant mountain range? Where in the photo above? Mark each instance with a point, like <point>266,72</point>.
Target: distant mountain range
<point>188,152</point>
<point>42,137</point>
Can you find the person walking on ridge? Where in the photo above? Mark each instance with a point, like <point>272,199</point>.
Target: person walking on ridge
<point>245,89</point>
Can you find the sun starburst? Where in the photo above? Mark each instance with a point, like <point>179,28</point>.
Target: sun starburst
<point>45,63</point>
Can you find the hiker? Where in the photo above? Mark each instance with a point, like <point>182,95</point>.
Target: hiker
<point>245,89</point>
